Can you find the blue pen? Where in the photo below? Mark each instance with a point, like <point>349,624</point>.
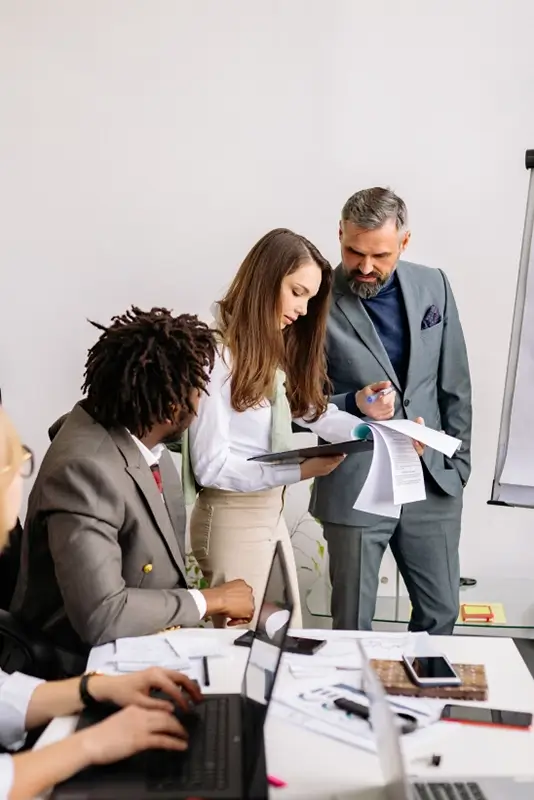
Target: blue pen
<point>382,393</point>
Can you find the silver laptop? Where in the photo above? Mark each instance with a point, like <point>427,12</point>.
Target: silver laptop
<point>398,786</point>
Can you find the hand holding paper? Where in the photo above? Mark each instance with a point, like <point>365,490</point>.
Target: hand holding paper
<point>396,475</point>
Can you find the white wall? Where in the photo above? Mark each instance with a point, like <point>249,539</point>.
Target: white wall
<point>146,144</point>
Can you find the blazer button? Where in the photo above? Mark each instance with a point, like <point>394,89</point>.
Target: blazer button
<point>147,568</point>
<point>406,403</point>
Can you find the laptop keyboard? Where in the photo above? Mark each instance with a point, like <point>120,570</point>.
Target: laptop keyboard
<point>449,791</point>
<point>204,766</point>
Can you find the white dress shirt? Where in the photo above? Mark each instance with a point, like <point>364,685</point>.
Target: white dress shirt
<point>15,693</point>
<point>152,457</point>
<point>221,439</point>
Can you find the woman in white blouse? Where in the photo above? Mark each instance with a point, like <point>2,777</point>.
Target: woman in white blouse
<point>272,318</point>
<point>26,702</point>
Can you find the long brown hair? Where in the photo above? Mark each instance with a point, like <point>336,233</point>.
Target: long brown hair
<point>250,325</point>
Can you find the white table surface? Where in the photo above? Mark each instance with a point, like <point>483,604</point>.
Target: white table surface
<point>316,767</point>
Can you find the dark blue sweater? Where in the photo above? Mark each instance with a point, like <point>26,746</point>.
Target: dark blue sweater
<point>388,315</point>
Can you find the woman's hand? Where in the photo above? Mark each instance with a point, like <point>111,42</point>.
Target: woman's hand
<point>131,731</point>
<point>135,689</point>
<point>419,446</point>
<point>317,467</point>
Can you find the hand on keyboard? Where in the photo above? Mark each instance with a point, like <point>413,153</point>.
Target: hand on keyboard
<point>130,731</point>
<point>172,689</point>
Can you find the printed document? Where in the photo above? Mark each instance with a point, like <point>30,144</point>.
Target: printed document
<point>396,473</point>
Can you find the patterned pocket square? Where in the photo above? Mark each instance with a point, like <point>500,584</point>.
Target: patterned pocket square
<point>431,318</point>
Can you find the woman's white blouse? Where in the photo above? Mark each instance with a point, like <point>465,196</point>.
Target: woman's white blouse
<point>221,439</point>
<point>15,693</point>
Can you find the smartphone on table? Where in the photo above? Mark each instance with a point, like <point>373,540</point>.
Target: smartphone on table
<point>298,645</point>
<point>476,715</point>
<point>427,671</point>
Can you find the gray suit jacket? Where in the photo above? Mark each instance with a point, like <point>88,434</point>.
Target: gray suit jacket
<point>438,386</point>
<point>95,520</point>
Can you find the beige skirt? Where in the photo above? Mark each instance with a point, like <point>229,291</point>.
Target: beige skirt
<point>233,535</point>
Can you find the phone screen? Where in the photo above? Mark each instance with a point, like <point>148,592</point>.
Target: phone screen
<point>487,716</point>
<point>431,667</point>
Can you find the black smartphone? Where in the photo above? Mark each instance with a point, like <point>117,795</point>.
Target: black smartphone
<point>294,644</point>
<point>302,646</point>
<point>475,715</point>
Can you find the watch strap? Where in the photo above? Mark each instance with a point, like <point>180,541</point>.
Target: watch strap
<point>85,695</point>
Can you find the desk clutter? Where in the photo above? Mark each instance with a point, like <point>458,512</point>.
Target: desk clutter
<point>474,684</point>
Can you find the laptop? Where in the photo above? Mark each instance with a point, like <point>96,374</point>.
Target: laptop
<point>226,755</point>
<point>398,785</point>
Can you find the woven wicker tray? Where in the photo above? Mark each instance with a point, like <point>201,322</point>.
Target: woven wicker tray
<point>474,684</point>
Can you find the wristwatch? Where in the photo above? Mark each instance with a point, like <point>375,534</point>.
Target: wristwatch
<point>85,695</point>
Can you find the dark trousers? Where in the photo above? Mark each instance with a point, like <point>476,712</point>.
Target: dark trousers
<point>424,542</point>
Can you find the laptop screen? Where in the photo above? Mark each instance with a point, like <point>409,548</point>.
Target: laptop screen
<point>386,732</point>
<point>264,658</point>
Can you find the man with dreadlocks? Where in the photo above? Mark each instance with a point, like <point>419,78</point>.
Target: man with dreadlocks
<point>103,546</point>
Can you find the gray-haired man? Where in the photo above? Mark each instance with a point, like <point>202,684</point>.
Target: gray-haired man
<point>394,323</point>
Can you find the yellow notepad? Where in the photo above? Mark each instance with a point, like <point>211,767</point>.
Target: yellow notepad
<point>499,617</point>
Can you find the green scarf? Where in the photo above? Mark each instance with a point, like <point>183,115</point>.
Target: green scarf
<point>281,436</point>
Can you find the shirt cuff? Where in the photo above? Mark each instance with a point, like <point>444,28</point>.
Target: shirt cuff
<point>7,775</point>
<point>350,404</point>
<point>200,602</point>
<point>15,695</point>
<point>286,474</point>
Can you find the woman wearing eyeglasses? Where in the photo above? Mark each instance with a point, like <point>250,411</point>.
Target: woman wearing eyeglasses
<point>25,702</point>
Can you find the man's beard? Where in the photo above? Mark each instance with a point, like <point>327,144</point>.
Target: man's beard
<point>181,424</point>
<point>363,289</point>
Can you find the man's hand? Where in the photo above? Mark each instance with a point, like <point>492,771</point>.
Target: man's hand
<point>419,446</point>
<point>233,599</point>
<point>134,689</point>
<point>383,407</point>
<point>316,467</point>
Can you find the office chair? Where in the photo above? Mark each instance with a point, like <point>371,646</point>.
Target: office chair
<point>21,650</point>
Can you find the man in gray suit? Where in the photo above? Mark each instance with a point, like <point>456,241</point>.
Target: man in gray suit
<point>394,333</point>
<point>103,548</point>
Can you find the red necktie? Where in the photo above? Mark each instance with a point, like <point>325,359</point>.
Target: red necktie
<point>157,476</point>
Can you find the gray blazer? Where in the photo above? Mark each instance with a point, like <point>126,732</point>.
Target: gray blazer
<point>102,555</point>
<point>438,386</point>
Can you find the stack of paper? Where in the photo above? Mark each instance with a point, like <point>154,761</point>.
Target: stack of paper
<point>132,654</point>
<point>189,644</point>
<point>396,473</point>
<point>171,649</point>
<point>344,655</point>
<point>314,710</point>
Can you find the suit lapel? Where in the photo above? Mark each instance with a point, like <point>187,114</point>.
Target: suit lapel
<point>174,499</point>
<point>353,309</point>
<point>411,296</point>
<point>139,470</point>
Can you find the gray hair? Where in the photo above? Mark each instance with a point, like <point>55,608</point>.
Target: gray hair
<point>372,208</point>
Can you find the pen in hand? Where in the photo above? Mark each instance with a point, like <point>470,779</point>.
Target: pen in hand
<point>372,398</point>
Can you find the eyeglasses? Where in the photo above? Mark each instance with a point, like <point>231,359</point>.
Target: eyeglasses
<point>27,464</point>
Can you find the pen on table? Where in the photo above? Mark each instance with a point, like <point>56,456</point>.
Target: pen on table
<point>205,670</point>
<point>372,398</point>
